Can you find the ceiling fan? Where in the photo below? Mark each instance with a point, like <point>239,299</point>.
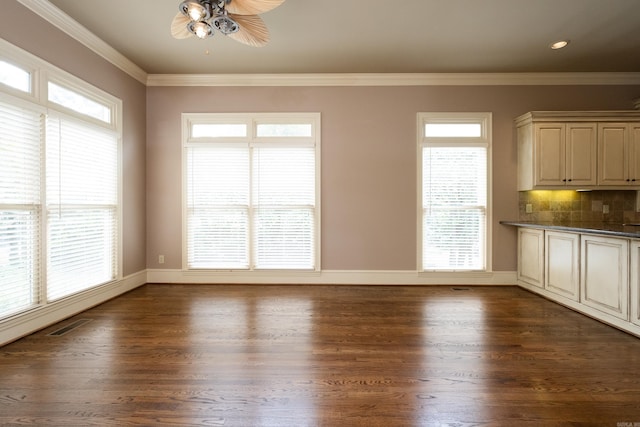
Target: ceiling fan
<point>237,19</point>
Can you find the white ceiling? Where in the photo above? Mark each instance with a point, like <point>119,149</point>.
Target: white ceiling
<point>382,36</point>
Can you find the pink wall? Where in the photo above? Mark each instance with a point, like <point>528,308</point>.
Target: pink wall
<point>26,30</point>
<point>368,150</point>
<point>368,159</point>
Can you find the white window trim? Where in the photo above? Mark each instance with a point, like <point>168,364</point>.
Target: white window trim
<point>42,72</point>
<point>252,120</point>
<point>27,62</point>
<point>81,87</point>
<point>485,120</point>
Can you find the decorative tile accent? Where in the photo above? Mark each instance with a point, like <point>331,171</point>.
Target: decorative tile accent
<point>561,206</point>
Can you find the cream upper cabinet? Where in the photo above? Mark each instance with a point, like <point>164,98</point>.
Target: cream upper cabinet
<point>564,150</point>
<point>619,154</point>
<point>549,157</point>
<point>634,151</point>
<point>582,152</point>
<point>565,154</point>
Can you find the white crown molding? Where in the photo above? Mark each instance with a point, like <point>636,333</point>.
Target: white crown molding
<point>65,23</point>
<point>407,79</point>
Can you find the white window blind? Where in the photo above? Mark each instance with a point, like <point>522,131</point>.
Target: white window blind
<point>251,203</point>
<point>454,170</point>
<point>284,201</point>
<point>82,206</point>
<point>20,166</point>
<point>218,207</point>
<point>454,201</point>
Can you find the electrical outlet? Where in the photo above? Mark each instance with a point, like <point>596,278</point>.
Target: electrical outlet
<point>528,208</point>
<point>160,259</point>
<point>605,209</point>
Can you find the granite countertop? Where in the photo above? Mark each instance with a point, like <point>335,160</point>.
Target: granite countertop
<point>605,228</point>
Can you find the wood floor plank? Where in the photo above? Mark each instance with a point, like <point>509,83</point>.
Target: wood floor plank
<point>238,355</point>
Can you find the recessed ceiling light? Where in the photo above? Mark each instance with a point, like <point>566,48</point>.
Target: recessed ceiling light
<point>559,44</point>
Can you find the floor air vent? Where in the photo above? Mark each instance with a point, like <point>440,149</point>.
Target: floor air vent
<point>70,327</point>
<point>460,289</point>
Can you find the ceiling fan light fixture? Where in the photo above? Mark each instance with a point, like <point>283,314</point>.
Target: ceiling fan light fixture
<point>238,19</point>
<point>196,10</point>
<point>559,44</point>
<point>201,29</point>
<point>225,25</point>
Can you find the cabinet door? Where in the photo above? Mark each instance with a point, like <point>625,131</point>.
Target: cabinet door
<point>530,256</point>
<point>634,153</point>
<point>604,275</point>
<point>581,154</point>
<point>634,274</point>
<point>550,154</point>
<point>562,269</point>
<point>613,154</point>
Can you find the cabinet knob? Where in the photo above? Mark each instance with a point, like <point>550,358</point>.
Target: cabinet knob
<point>569,180</point>
<point>634,180</point>
<point>629,180</point>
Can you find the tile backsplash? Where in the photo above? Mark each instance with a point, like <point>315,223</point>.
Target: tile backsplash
<point>561,206</point>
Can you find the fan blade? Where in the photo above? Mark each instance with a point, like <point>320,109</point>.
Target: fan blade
<point>251,7</point>
<point>252,32</point>
<point>179,27</point>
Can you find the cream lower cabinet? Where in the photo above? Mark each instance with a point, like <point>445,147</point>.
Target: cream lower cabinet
<point>594,274</point>
<point>604,275</point>
<point>561,261</point>
<point>634,274</point>
<point>531,256</point>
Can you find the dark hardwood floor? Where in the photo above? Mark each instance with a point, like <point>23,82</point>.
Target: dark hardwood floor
<point>324,356</point>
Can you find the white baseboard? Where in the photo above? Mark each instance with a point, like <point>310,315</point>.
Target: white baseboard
<point>332,277</point>
<point>33,320</point>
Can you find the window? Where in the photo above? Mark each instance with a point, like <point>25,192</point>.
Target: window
<point>78,102</point>
<point>20,198</point>
<point>454,181</point>
<point>82,206</point>
<point>59,187</point>
<point>252,196</point>
<point>15,77</point>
